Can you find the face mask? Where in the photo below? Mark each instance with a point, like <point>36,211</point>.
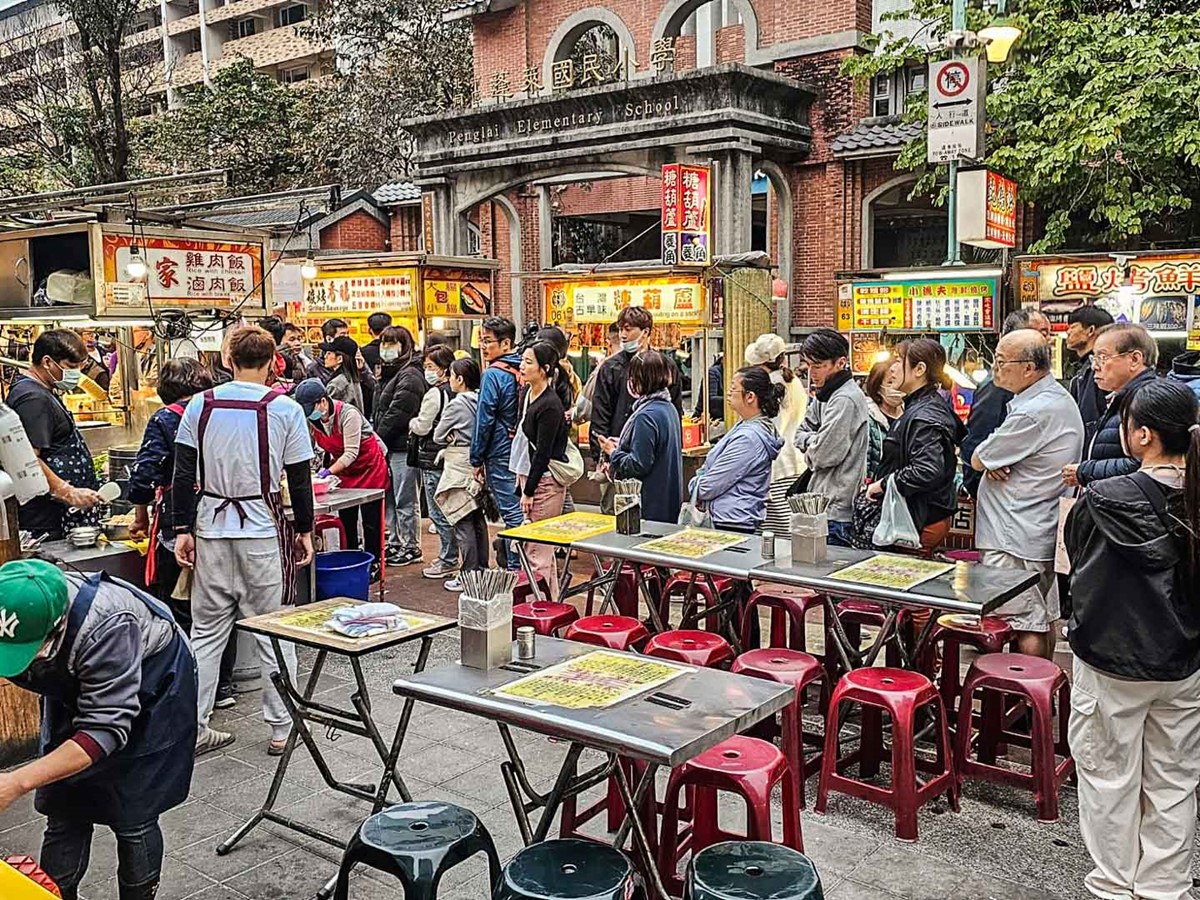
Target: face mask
<point>389,355</point>
<point>432,378</point>
<point>630,346</point>
<point>314,416</point>
<point>70,379</point>
<point>892,396</point>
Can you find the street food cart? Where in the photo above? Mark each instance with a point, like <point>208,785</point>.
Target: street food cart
<point>421,292</point>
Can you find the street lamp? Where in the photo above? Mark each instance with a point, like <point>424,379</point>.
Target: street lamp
<point>1000,37</point>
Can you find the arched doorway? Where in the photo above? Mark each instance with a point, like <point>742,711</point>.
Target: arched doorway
<point>900,230</point>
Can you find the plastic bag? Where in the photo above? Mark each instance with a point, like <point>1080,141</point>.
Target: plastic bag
<point>896,527</point>
<point>690,513</point>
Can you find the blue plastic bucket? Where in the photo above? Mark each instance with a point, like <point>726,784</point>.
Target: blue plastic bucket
<point>344,573</point>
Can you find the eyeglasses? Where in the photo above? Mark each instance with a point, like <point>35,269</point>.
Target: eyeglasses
<point>732,391</point>
<point>487,342</point>
<point>998,362</point>
<point>1100,359</point>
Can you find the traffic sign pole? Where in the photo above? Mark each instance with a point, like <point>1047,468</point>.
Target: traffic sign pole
<point>958,22</point>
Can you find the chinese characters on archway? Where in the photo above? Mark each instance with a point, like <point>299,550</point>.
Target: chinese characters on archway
<point>588,70</point>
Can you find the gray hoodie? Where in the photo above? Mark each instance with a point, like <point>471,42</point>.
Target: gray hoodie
<point>736,476</point>
<point>833,438</point>
<point>457,424</point>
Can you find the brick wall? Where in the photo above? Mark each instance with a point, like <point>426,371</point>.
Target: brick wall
<point>839,103</point>
<point>608,195</point>
<point>685,53</point>
<point>731,44</point>
<point>500,46</point>
<point>358,231</point>
<point>406,228</point>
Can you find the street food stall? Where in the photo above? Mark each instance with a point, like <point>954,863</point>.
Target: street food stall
<point>422,292</point>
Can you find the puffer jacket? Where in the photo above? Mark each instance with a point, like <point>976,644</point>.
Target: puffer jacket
<point>1089,398</point>
<point>1135,613</point>
<point>1104,457</point>
<point>612,404</point>
<point>433,406</point>
<point>398,402</point>
<point>920,452</point>
<point>1185,368</point>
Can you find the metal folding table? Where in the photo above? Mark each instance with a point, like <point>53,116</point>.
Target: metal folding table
<point>693,713</point>
<point>304,625</point>
<point>563,533</point>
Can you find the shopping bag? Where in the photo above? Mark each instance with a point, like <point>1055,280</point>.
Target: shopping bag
<point>691,515</point>
<point>896,527</point>
<point>1062,563</point>
<point>569,472</point>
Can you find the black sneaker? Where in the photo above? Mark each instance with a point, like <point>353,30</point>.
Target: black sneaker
<point>225,700</point>
<point>404,558</point>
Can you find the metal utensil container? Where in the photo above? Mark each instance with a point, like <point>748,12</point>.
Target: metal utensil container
<point>810,537</point>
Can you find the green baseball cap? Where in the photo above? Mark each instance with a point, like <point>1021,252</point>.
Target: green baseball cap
<point>33,599</point>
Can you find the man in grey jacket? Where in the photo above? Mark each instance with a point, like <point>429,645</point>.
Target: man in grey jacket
<point>834,436</point>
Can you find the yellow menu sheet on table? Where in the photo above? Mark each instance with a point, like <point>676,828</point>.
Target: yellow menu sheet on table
<point>889,571</point>
<point>314,620</point>
<point>693,543</point>
<point>576,526</point>
<point>595,680</point>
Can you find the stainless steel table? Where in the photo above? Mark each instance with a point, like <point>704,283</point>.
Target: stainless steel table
<point>116,560</point>
<point>692,713</point>
<point>344,498</point>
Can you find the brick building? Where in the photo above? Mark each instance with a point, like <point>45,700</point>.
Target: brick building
<point>802,157</point>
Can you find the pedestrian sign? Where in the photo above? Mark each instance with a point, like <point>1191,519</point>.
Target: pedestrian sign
<point>956,110</point>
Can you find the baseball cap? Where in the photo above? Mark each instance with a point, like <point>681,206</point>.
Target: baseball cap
<point>341,344</point>
<point>33,599</point>
<point>308,392</point>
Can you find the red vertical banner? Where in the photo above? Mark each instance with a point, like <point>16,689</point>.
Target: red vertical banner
<point>686,214</point>
<point>670,214</point>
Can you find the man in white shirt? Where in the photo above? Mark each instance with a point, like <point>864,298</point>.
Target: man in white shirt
<point>236,442</point>
<point>1016,523</point>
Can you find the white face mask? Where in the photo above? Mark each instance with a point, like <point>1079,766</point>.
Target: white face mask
<point>432,378</point>
<point>892,396</point>
<point>391,354</point>
<point>630,346</point>
<point>70,378</point>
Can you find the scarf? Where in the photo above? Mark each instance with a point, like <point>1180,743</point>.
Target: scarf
<point>832,383</point>
<point>664,394</point>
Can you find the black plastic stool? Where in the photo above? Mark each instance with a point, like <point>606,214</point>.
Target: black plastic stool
<point>752,870</point>
<point>569,869</point>
<point>417,842</point>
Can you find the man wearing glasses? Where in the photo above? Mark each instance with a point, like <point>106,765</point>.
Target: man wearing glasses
<point>1123,360</point>
<point>1022,461</point>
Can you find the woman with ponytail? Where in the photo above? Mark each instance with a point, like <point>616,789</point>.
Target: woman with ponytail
<point>920,449</point>
<point>1134,545</point>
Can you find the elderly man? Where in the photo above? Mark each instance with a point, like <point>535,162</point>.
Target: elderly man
<point>1084,326</point>
<point>1017,518</point>
<point>1123,358</point>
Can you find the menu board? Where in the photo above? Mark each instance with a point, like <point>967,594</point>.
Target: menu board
<point>595,680</point>
<point>362,290</point>
<point>456,293</point>
<point>943,304</point>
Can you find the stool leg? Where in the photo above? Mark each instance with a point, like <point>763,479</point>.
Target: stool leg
<point>946,755</point>
<point>668,841</point>
<point>949,685</point>
<point>758,816</point>
<point>793,800</point>
<point>871,741</point>
<point>1043,759</point>
<point>792,744</point>
<point>991,724</point>
<point>904,774</point>
<point>341,890</point>
<point>829,758</point>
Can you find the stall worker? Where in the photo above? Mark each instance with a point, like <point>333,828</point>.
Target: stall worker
<point>236,442</point>
<point>353,453</point>
<point>118,688</point>
<point>58,356</point>
<point>650,447</point>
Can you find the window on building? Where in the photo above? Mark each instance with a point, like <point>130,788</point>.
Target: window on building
<point>294,74</point>
<point>242,28</point>
<point>293,15</point>
<point>881,95</point>
<point>197,44</point>
<point>474,240</point>
<point>914,80</point>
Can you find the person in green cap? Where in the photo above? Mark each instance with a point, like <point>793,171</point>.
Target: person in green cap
<point>118,687</point>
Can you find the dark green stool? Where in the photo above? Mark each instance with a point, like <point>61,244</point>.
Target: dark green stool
<point>752,870</point>
<point>569,870</point>
<point>418,843</point>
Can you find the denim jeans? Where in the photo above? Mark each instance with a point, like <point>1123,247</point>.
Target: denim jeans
<point>839,534</point>
<point>449,546</point>
<point>503,485</point>
<point>406,526</point>
<point>67,846</point>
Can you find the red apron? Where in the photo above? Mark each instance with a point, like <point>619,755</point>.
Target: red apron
<point>156,519</point>
<point>269,491</point>
<point>369,470</point>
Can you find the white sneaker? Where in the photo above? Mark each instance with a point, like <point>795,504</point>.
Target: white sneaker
<point>439,569</point>
<point>453,585</point>
<point>210,739</point>
<point>432,528</point>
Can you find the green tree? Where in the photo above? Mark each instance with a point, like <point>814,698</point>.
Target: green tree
<point>1094,115</point>
<point>246,123</point>
<point>396,59</point>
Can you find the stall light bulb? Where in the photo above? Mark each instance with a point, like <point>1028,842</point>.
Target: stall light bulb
<point>980,375</point>
<point>308,269</point>
<point>437,323</point>
<point>136,267</point>
<point>881,356</point>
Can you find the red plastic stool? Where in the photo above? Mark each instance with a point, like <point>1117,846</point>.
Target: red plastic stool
<point>613,632</point>
<point>798,669</point>
<point>854,614</point>
<point>1036,681</point>
<point>28,866</point>
<point>522,591</point>
<point>787,618</point>
<point>740,765</point>
<point>697,648</point>
<point>679,583</point>
<point>951,632</point>
<point>324,523</point>
<point>900,693</point>
<point>626,596</point>
<point>547,618</point>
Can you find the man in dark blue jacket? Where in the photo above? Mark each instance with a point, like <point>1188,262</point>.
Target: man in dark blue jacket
<point>496,419</point>
<point>1124,358</point>
<point>1084,325</point>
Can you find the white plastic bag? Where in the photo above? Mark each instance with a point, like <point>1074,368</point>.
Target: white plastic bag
<point>896,527</point>
<point>690,514</point>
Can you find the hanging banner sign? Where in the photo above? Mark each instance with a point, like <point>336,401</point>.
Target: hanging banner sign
<point>686,215</point>
<point>987,209</point>
<point>183,272</point>
<point>671,299</point>
<point>944,304</point>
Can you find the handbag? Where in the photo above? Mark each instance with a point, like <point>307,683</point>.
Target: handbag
<point>896,527</point>
<point>864,518</point>
<point>800,485</point>
<point>569,472</point>
<point>691,513</point>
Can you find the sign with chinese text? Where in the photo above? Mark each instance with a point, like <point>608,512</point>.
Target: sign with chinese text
<point>686,199</point>
<point>362,290</point>
<point>944,304</point>
<point>456,293</point>
<point>183,272</point>
<point>987,209</point>
<point>1193,322</point>
<point>670,299</point>
<point>956,110</point>
<point>1154,291</point>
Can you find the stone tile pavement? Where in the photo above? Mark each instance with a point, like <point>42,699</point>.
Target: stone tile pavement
<point>993,850</point>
